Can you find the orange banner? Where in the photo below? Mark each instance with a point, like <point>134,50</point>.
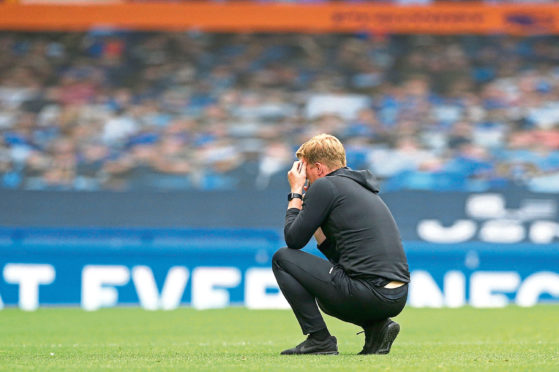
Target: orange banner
<point>253,17</point>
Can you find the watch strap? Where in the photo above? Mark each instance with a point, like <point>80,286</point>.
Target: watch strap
<point>294,195</point>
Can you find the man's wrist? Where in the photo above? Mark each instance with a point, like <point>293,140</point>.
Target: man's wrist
<point>297,190</point>
<point>294,195</point>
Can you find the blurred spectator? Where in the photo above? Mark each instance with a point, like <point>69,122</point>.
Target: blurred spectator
<point>176,111</point>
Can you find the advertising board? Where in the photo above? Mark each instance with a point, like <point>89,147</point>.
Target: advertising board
<point>164,269</point>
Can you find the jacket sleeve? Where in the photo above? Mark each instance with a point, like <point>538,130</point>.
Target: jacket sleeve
<point>300,225</point>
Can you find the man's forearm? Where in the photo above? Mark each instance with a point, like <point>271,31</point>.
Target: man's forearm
<point>295,203</point>
<point>294,238</point>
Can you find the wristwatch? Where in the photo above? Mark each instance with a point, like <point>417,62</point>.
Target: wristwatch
<point>294,195</point>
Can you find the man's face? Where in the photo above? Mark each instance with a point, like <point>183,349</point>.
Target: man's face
<point>314,171</point>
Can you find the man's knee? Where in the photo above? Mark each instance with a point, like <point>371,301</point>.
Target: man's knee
<point>280,255</point>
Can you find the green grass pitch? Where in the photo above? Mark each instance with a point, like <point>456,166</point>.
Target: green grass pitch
<point>237,339</point>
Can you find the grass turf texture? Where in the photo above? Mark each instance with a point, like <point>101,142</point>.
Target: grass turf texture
<point>237,339</point>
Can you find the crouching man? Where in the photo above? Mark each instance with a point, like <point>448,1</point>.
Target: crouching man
<point>365,279</point>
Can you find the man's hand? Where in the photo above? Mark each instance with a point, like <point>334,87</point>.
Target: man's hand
<point>297,177</point>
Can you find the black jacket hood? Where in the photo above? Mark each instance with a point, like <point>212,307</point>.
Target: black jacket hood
<point>363,177</point>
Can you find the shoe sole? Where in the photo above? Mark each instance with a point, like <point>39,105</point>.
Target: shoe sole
<point>326,353</point>
<point>391,333</point>
<point>316,353</point>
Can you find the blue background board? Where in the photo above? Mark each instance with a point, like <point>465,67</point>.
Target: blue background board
<point>257,209</point>
<point>69,250</point>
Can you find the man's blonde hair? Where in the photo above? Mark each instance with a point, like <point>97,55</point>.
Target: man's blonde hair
<point>323,148</point>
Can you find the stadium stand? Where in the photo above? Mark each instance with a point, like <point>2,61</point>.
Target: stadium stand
<point>122,110</point>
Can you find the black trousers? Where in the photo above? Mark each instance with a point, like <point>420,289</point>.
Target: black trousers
<point>308,281</point>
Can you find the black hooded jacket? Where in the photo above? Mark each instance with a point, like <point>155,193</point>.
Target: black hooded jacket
<point>361,234</point>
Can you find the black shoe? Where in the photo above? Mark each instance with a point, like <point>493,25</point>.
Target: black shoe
<point>312,346</point>
<point>380,336</point>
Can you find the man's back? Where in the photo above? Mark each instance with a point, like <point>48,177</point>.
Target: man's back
<point>356,221</point>
<point>363,229</point>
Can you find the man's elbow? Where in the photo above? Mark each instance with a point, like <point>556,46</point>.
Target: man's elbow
<point>292,242</point>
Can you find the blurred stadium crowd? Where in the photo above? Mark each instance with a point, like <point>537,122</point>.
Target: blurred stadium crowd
<point>178,111</point>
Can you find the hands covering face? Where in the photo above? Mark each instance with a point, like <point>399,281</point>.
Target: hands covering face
<point>297,176</point>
